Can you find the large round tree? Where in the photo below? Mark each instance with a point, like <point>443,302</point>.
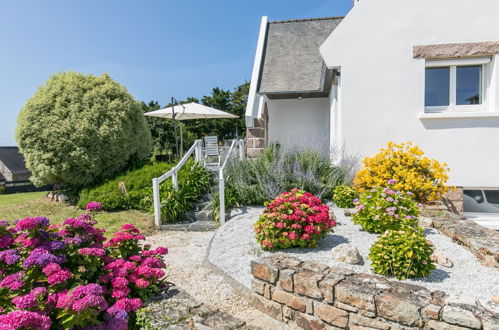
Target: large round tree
<point>78,129</point>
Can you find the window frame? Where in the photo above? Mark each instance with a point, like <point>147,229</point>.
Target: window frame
<point>453,65</point>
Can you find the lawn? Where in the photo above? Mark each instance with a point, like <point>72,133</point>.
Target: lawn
<point>19,206</point>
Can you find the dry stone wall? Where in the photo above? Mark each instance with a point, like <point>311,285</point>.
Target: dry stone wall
<point>313,296</point>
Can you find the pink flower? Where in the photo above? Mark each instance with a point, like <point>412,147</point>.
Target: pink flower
<point>141,283</point>
<point>24,320</point>
<point>279,224</point>
<point>93,206</point>
<point>292,235</point>
<point>92,252</point>
<point>59,277</point>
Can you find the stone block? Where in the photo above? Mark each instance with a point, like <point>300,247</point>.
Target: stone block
<point>340,271</point>
<point>288,313</point>
<point>309,322</point>
<point>253,152</point>
<point>367,322</point>
<point>438,297</point>
<point>432,311</point>
<point>436,325</point>
<point>464,49</point>
<point>286,279</point>
<point>257,286</point>
<point>490,323</point>
<point>264,272</point>
<point>314,267</point>
<point>307,283</point>
<point>346,307</point>
<point>268,307</point>
<point>289,299</point>
<point>281,261</point>
<point>355,295</point>
<point>331,314</point>
<point>259,143</point>
<point>327,286</point>
<point>461,317</point>
<point>256,132</point>
<point>400,308</point>
<point>267,291</point>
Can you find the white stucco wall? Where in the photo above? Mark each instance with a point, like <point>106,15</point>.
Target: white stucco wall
<point>300,123</point>
<point>382,86</point>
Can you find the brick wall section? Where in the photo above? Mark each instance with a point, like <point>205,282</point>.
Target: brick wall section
<point>313,296</point>
<point>257,136</point>
<point>451,201</point>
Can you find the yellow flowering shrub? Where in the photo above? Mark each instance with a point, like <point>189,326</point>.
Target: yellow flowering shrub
<point>426,178</point>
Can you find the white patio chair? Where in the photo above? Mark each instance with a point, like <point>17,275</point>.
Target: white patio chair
<point>211,150</point>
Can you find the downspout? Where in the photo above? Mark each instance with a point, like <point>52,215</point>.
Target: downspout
<point>254,100</point>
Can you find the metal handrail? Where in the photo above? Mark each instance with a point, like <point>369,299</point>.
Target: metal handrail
<point>196,148</point>
<point>221,180</point>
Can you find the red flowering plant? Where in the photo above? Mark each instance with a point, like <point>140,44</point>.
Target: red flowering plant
<point>67,276</point>
<point>295,218</point>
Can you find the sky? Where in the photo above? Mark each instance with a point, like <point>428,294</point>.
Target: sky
<point>155,48</point>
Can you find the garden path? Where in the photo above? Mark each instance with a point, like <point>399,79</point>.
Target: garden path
<point>185,268</point>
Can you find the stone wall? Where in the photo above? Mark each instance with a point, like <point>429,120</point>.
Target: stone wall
<point>451,201</point>
<point>313,296</point>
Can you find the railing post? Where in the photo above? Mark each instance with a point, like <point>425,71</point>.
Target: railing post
<point>221,193</point>
<point>157,202</point>
<point>197,151</point>
<point>241,149</point>
<point>175,178</point>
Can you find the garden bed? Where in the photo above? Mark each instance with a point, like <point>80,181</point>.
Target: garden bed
<point>234,247</point>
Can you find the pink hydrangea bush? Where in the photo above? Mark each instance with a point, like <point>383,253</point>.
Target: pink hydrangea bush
<point>93,207</point>
<point>68,275</point>
<point>295,218</point>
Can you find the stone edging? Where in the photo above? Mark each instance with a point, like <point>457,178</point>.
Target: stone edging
<point>481,241</point>
<point>175,309</point>
<point>199,226</point>
<point>314,296</point>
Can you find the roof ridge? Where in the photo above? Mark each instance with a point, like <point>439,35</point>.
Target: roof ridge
<point>308,19</point>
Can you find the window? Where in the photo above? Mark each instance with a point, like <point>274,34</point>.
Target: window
<point>481,201</point>
<point>455,85</point>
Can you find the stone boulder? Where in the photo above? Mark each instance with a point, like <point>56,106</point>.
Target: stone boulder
<point>441,259</point>
<point>346,253</point>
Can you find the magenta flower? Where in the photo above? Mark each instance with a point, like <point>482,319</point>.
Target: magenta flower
<point>25,320</point>
<point>93,206</point>
<point>30,223</point>
<point>13,281</point>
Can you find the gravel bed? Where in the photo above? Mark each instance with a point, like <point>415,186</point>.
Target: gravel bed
<point>184,268</point>
<point>234,246</point>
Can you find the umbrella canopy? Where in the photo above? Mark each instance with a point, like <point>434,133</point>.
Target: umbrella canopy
<point>190,111</point>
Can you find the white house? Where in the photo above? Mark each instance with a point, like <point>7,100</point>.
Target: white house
<point>424,71</point>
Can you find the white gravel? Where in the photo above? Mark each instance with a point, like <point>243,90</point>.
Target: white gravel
<point>234,246</point>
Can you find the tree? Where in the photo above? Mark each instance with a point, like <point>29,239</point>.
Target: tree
<point>78,129</point>
<point>226,100</point>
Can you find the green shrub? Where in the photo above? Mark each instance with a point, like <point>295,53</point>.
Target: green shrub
<point>127,190</point>
<point>78,129</point>
<point>343,196</point>
<point>2,190</point>
<point>294,218</point>
<point>254,181</point>
<point>403,253</point>
<point>381,209</point>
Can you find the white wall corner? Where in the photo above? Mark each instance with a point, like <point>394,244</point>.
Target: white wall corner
<point>252,107</point>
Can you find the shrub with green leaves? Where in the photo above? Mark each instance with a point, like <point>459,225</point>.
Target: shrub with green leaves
<point>343,196</point>
<point>126,190</point>
<point>403,253</point>
<point>254,181</point>
<point>381,209</point>
<point>78,129</point>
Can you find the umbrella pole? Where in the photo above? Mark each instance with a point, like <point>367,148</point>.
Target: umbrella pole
<point>181,141</point>
<point>174,127</point>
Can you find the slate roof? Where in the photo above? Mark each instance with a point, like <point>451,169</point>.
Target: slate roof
<point>292,63</point>
<point>13,160</point>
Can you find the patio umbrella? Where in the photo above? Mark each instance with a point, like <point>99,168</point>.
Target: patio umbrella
<point>188,111</point>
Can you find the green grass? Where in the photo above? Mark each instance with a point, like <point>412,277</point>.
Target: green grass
<point>19,206</point>
<point>13,199</point>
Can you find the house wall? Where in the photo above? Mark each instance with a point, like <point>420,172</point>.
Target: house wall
<point>301,123</point>
<point>382,85</point>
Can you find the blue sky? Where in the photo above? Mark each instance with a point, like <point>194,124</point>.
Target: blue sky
<point>157,49</point>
